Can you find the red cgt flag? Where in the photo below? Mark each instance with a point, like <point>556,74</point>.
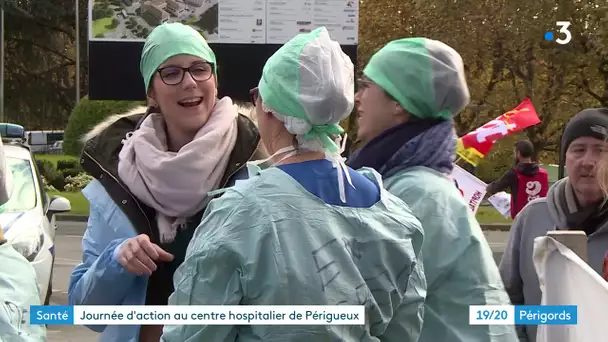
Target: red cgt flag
<point>479,142</point>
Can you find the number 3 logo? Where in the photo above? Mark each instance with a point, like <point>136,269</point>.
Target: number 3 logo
<point>563,25</point>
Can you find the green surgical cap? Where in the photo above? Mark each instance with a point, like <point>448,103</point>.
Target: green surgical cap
<point>425,76</point>
<point>168,40</point>
<point>312,79</point>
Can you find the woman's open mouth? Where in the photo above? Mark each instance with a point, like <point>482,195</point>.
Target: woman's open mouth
<point>190,102</point>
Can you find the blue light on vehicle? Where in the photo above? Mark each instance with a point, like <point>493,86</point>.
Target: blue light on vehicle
<point>11,131</point>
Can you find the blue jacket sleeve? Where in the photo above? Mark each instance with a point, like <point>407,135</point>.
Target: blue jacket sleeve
<point>94,281</point>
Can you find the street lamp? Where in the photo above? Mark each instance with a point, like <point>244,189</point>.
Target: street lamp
<point>77,55</point>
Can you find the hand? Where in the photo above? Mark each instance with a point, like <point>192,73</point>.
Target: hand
<point>138,255</point>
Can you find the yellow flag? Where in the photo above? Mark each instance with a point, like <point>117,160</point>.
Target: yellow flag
<point>470,155</point>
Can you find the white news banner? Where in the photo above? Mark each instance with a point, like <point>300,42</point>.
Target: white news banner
<point>199,315</point>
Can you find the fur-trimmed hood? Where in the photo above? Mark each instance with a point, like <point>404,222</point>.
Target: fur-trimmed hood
<point>102,126</point>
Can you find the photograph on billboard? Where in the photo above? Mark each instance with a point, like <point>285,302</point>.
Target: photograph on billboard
<point>224,21</point>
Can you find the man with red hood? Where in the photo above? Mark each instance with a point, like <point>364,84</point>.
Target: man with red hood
<point>527,181</point>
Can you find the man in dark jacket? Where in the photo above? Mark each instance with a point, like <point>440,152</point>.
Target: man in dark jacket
<point>573,203</point>
<point>527,181</point>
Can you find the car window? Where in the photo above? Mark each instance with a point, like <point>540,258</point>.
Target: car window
<point>23,196</point>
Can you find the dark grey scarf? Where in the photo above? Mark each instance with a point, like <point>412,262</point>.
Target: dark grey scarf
<point>567,212</point>
<point>429,143</point>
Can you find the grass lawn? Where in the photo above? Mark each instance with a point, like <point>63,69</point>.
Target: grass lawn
<point>53,158</point>
<point>489,215</point>
<point>100,26</point>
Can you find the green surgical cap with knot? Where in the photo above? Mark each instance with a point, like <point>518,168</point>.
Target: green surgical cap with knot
<point>168,40</point>
<point>311,79</point>
<point>425,76</point>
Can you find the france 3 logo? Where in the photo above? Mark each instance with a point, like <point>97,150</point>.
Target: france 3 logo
<point>563,36</point>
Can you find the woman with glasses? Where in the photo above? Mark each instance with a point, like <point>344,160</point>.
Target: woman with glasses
<point>153,172</point>
<point>308,230</point>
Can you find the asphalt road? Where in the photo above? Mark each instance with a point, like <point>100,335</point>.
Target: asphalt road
<point>69,253</point>
<point>68,248</point>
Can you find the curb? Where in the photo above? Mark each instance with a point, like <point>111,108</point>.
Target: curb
<point>493,227</point>
<point>496,227</point>
<point>72,218</point>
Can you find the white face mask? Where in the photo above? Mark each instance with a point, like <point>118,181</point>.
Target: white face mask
<point>253,166</point>
<point>254,169</point>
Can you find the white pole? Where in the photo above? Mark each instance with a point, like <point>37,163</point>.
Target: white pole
<point>77,55</point>
<point>2,64</point>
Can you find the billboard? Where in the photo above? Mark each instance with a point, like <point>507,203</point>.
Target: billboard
<point>224,21</point>
<point>243,34</point>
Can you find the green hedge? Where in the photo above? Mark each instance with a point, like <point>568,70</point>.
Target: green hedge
<point>65,164</point>
<point>56,175</point>
<point>86,115</point>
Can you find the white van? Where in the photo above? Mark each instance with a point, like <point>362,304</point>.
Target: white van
<point>42,141</point>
